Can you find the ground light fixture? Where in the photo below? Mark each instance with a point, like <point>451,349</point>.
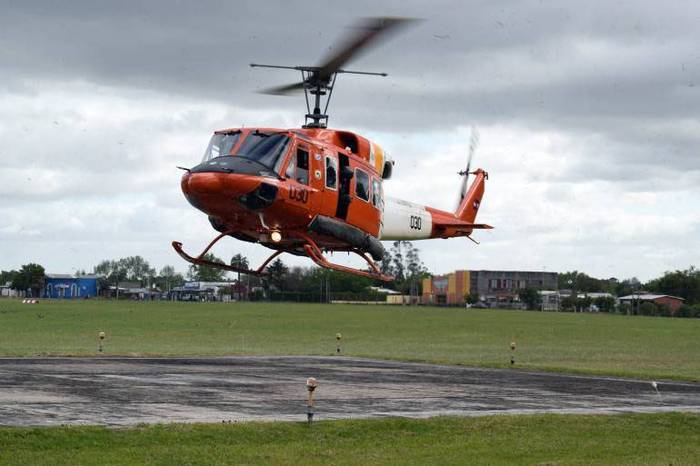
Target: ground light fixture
<point>276,236</point>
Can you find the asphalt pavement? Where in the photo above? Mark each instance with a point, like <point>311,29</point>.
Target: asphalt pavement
<point>128,391</point>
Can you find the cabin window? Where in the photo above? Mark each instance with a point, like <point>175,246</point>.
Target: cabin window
<point>331,172</point>
<point>362,185</point>
<point>377,200</point>
<point>221,144</point>
<point>302,166</point>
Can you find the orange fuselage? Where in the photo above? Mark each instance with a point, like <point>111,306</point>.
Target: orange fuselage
<point>323,183</point>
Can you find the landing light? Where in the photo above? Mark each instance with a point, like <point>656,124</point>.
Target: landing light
<point>276,236</point>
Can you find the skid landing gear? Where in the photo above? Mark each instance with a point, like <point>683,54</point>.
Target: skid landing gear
<point>310,247</point>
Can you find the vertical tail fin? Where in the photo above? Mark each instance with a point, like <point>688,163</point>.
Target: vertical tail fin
<point>469,206</point>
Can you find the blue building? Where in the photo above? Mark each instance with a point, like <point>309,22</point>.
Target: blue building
<point>57,285</point>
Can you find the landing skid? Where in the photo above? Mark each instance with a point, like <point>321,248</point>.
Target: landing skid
<point>316,255</point>
<point>199,260</point>
<point>310,247</point>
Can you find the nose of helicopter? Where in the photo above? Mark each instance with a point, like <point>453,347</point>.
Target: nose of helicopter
<point>214,193</point>
<point>230,185</point>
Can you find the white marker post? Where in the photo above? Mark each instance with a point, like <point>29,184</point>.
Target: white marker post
<point>512,353</point>
<point>311,385</point>
<point>655,386</point>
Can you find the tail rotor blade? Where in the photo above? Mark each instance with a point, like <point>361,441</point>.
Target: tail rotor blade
<point>473,144</point>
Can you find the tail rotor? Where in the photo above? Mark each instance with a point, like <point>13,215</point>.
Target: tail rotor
<point>473,144</point>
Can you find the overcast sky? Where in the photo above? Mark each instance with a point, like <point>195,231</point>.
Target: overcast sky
<point>589,116</point>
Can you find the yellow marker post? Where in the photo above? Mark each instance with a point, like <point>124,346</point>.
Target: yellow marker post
<point>338,336</point>
<point>101,336</point>
<point>512,354</point>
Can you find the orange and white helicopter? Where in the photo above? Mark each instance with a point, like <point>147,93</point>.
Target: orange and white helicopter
<point>311,190</point>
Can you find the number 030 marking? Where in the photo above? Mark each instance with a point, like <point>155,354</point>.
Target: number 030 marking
<point>416,222</point>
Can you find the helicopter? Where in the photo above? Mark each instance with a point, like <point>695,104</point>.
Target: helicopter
<point>314,190</point>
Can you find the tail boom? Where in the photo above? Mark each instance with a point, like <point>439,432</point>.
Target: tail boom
<point>404,220</point>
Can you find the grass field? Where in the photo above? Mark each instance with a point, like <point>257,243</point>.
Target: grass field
<point>633,439</point>
<point>602,344</point>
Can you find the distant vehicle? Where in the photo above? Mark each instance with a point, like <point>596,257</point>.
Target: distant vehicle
<point>478,305</point>
<point>312,190</point>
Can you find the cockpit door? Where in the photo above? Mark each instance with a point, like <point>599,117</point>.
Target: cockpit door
<point>305,178</point>
<point>330,183</point>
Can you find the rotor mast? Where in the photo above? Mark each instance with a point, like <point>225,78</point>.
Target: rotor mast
<point>317,85</point>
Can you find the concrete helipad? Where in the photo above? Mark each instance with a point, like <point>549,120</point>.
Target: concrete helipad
<point>125,391</point>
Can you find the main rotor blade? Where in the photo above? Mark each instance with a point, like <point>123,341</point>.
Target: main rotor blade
<point>369,31</point>
<point>283,90</point>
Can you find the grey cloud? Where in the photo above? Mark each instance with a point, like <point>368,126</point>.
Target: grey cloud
<point>618,82</point>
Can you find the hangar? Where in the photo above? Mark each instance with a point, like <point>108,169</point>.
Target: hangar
<point>59,285</point>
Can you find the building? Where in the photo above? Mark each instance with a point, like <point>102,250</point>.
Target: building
<point>494,287</point>
<point>451,289</point>
<point>59,285</point>
<point>549,300</point>
<point>202,291</point>
<point>671,302</point>
<point>6,291</point>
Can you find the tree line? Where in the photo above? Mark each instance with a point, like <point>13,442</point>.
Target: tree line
<point>402,260</point>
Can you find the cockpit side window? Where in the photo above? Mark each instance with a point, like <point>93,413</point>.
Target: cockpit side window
<point>291,168</point>
<point>302,166</point>
<point>221,144</point>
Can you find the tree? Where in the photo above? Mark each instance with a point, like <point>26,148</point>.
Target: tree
<point>627,287</point>
<point>580,282</point>
<point>681,283</point>
<point>530,297</point>
<point>132,268</point>
<point>29,278</point>
<point>408,269</point>
<point>111,271</point>
<point>605,303</point>
<point>568,304</point>
<point>137,268</point>
<point>386,265</point>
<point>206,273</point>
<point>277,273</point>
<point>240,261</point>
<point>8,276</point>
<point>397,262</point>
<point>584,303</point>
<point>168,278</point>
<point>472,298</point>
